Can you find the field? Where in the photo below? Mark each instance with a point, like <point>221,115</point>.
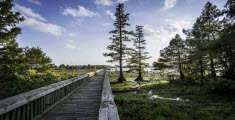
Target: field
<point>157,99</point>
<point>34,80</point>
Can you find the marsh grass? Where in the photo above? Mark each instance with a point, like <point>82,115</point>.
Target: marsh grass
<point>202,104</point>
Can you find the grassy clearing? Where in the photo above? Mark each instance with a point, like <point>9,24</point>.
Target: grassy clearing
<point>201,104</point>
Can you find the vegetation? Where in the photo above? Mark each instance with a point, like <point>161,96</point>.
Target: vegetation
<point>206,56</point>
<point>195,76</point>
<point>119,37</point>
<point>158,99</point>
<point>138,55</point>
<point>24,69</point>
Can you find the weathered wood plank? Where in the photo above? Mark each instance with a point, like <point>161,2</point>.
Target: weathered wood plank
<point>19,113</point>
<point>84,103</point>
<point>31,111</point>
<point>7,116</point>
<point>24,112</point>
<point>108,109</point>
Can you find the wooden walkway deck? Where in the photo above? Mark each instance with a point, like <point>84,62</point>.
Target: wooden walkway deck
<point>83,104</point>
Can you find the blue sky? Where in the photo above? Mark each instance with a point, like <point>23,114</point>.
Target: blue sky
<point>75,32</point>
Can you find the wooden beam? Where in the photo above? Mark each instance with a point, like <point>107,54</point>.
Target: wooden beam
<point>108,109</point>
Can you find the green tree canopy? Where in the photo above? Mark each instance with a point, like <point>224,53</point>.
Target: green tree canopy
<point>38,59</point>
<point>12,59</point>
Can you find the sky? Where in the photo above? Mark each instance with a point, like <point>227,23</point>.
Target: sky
<point>76,32</point>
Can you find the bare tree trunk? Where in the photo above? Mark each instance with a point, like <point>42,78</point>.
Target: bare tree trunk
<point>201,67</point>
<point>182,77</point>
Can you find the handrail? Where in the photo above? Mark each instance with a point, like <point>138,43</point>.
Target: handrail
<point>108,109</point>
<point>31,104</point>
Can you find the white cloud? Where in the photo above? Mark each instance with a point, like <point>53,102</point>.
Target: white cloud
<point>34,2</point>
<point>70,46</point>
<point>104,2</point>
<point>169,4</point>
<point>159,37</point>
<point>69,40</point>
<point>133,14</point>
<point>43,27</point>
<point>108,12</point>
<point>106,24</point>
<point>81,11</point>
<point>121,1</point>
<point>78,20</point>
<point>28,12</point>
<point>72,34</point>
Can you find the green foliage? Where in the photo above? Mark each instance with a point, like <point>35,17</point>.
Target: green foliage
<point>138,55</point>
<point>202,105</point>
<point>62,66</point>
<point>37,59</point>
<point>206,53</point>
<point>120,35</point>
<point>12,61</point>
<point>222,85</point>
<point>230,9</point>
<point>172,56</point>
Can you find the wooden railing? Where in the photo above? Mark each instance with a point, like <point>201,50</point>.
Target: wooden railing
<point>33,104</point>
<point>108,109</point>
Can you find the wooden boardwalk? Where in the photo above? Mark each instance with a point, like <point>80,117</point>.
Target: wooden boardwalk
<point>83,104</point>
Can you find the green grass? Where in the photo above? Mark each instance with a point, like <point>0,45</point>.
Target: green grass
<point>202,104</point>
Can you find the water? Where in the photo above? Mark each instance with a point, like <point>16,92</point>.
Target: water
<point>152,97</point>
<point>126,69</point>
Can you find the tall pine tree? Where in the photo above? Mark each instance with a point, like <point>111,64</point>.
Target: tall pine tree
<point>12,59</point>
<point>210,27</point>
<point>120,35</point>
<point>172,57</point>
<point>138,55</point>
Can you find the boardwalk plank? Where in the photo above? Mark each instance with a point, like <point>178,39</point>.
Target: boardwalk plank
<point>83,104</point>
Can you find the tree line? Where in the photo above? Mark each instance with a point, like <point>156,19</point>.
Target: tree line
<point>207,52</point>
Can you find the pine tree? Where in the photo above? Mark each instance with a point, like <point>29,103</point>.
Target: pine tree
<point>138,55</point>
<point>177,48</point>
<point>118,48</point>
<point>172,57</point>
<point>230,9</point>
<point>37,59</point>
<point>196,45</point>
<point>12,59</point>
<point>225,47</point>
<point>210,27</point>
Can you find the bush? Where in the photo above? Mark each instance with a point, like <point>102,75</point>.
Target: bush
<point>222,85</point>
<point>163,111</point>
<point>51,77</point>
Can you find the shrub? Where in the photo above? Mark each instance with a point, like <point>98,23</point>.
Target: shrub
<point>222,85</point>
<point>163,111</point>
